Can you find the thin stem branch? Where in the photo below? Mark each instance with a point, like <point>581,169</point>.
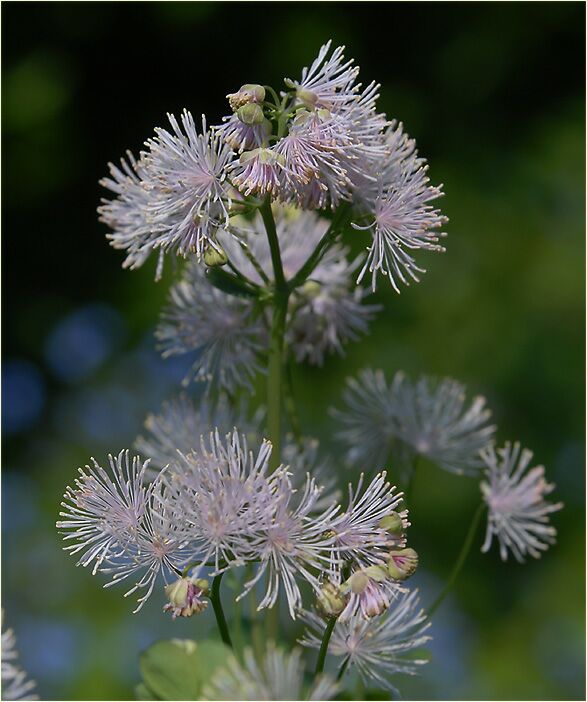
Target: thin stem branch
<point>460,560</point>
<point>340,218</point>
<point>290,403</point>
<point>324,645</point>
<point>276,351</point>
<point>218,611</point>
<point>343,668</point>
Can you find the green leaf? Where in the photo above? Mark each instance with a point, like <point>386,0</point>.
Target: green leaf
<point>178,668</point>
<point>142,692</point>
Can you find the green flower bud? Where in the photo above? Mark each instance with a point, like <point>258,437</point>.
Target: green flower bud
<point>307,97</point>
<point>330,600</point>
<point>311,289</point>
<point>214,255</point>
<point>392,523</point>
<point>402,564</point>
<point>184,597</point>
<point>248,93</point>
<point>251,114</point>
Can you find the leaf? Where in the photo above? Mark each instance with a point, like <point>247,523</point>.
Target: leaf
<point>177,669</point>
<point>142,692</point>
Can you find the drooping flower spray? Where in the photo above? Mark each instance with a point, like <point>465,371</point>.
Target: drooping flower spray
<point>261,207</point>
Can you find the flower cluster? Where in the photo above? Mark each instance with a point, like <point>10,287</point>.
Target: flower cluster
<point>280,677</point>
<point>323,144</point>
<point>518,512</point>
<point>15,682</point>
<point>220,507</point>
<point>379,647</point>
<point>231,332</point>
<point>429,418</point>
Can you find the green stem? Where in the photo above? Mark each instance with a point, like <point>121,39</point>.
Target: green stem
<point>218,611</point>
<point>339,220</point>
<point>324,645</point>
<point>290,404</point>
<point>276,354</point>
<point>343,667</point>
<point>409,491</point>
<point>460,560</point>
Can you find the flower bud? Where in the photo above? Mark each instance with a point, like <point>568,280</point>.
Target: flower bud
<point>184,597</point>
<point>311,289</point>
<point>330,600</point>
<point>215,255</point>
<point>392,523</point>
<point>250,114</point>
<point>403,563</point>
<point>250,92</point>
<point>307,97</point>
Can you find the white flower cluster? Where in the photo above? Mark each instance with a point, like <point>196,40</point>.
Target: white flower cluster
<point>231,332</point>
<point>15,682</point>
<point>319,144</point>
<point>429,418</point>
<point>279,677</point>
<point>518,512</point>
<point>219,507</point>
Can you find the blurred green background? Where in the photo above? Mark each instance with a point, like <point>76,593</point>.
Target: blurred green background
<point>494,94</point>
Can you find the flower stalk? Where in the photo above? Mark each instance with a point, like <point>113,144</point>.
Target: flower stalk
<point>218,611</point>
<point>324,646</point>
<point>460,562</point>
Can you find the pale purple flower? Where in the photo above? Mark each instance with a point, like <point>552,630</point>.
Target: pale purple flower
<point>328,82</point>
<point>115,520</point>
<point>258,171</point>
<point>243,137</point>
<point>222,327</point>
<point>185,176</point>
<point>278,676</point>
<point>291,543</point>
<point>357,536</point>
<point>15,682</point>
<point>404,220</point>
<point>221,495</point>
<point>179,425</point>
<point>127,214</point>
<point>371,592</point>
<point>378,648</point>
<point>429,418</point>
<point>328,311</point>
<point>518,513</point>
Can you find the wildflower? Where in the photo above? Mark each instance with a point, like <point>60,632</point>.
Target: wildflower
<point>221,494</point>
<point>185,175</point>
<point>279,676</point>
<point>328,311</point>
<point>380,647</point>
<point>331,600</point>
<point>15,682</point>
<point>357,535</point>
<point>403,218</point>
<point>241,136</point>
<point>117,521</point>
<point>258,171</point>
<point>371,592</point>
<point>199,317</point>
<point>251,93</point>
<point>402,564</point>
<point>429,419</point>
<point>127,214</point>
<point>290,543</point>
<point>179,425</point>
<point>327,83</point>
<point>185,597</point>
<point>518,512</point>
